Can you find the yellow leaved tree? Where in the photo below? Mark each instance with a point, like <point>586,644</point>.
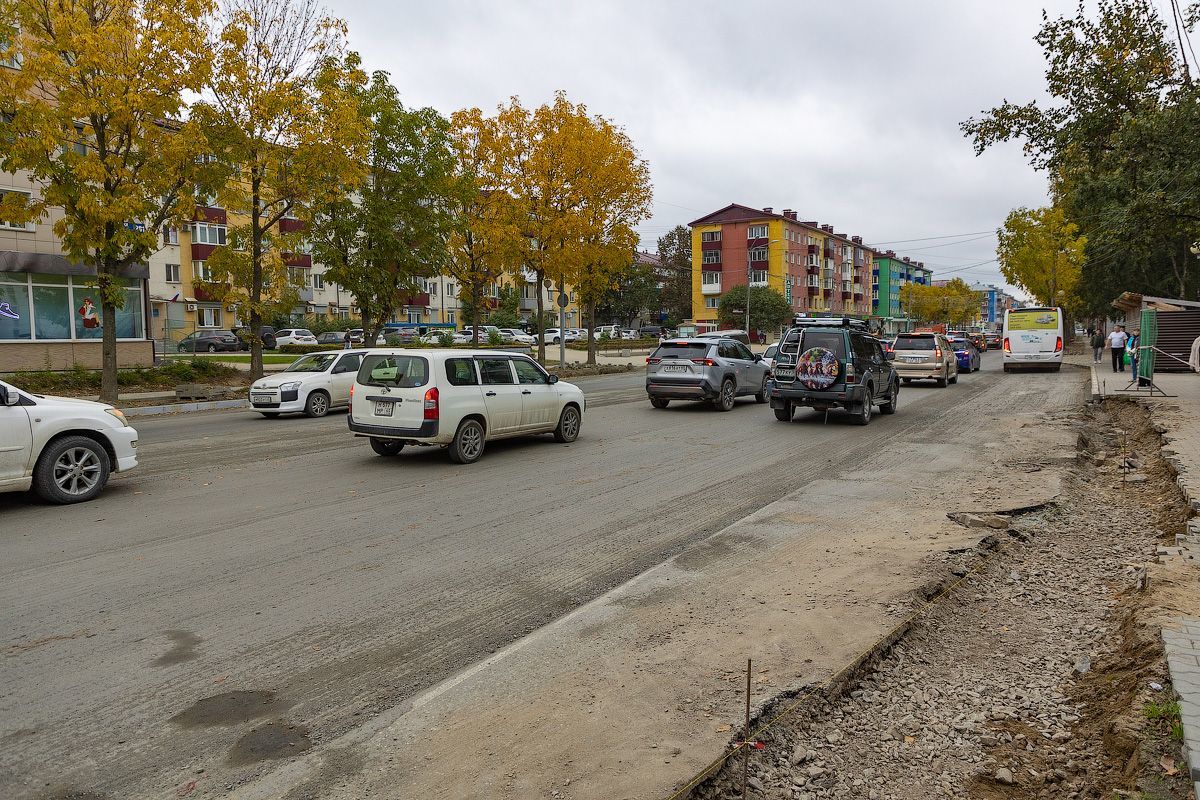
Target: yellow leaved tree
<point>1043,253</point>
<point>94,117</point>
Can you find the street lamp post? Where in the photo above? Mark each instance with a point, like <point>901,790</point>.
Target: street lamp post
<point>750,272</point>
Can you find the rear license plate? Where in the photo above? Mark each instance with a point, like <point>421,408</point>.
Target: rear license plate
<point>674,368</point>
<point>383,409</point>
<point>261,398</point>
<point>914,359</point>
<point>785,372</point>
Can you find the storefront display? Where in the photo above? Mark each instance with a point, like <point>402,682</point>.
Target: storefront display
<point>45,307</point>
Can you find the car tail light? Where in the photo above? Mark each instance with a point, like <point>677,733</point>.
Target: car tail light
<point>652,360</point>
<point>704,362</point>
<point>937,352</point>
<point>1007,349</point>
<point>352,391</point>
<point>431,403</point>
<point>849,371</point>
<point>1058,345</point>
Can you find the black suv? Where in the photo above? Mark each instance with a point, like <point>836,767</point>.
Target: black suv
<point>833,363</point>
<point>267,333</point>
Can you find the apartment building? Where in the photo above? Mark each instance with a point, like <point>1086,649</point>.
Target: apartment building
<point>889,277</point>
<point>817,269</point>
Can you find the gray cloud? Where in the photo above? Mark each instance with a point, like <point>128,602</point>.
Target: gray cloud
<point>847,112</point>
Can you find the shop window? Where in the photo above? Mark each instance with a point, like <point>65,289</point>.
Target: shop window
<point>51,312</point>
<point>15,318</point>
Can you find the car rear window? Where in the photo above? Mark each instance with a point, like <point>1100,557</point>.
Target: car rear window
<point>397,371</point>
<point>833,341</point>
<point>461,371</point>
<point>681,350</point>
<point>915,343</point>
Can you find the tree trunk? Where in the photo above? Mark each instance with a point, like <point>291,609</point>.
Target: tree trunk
<point>256,354</point>
<point>476,302</point>
<point>541,316</point>
<point>108,347</point>
<point>591,309</point>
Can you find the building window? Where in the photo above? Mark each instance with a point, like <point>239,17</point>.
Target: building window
<point>208,318</point>
<point>758,276</point>
<point>170,235</point>
<point>15,226</point>
<point>172,273</point>
<point>711,257</point>
<point>414,315</point>
<point>11,59</point>
<point>756,232</point>
<point>710,278</point>
<point>758,254</point>
<point>710,236</point>
<point>712,302</point>
<point>318,280</point>
<point>432,288</point>
<point>200,271</point>
<point>450,317</point>
<point>451,289</point>
<point>207,233</point>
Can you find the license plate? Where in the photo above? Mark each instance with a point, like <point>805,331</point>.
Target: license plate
<point>383,409</point>
<point>261,398</point>
<point>785,373</point>
<point>674,368</point>
<point>914,359</point>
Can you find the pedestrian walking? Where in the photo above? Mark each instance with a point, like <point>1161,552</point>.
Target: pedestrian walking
<point>1097,347</point>
<point>1116,343</point>
<point>347,341</point>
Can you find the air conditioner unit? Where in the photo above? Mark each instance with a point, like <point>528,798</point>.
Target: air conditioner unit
<point>231,309</point>
<point>190,307</point>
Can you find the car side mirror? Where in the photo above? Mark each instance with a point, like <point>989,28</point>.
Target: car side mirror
<point>551,379</point>
<point>757,357</point>
<point>891,355</point>
<point>8,398</point>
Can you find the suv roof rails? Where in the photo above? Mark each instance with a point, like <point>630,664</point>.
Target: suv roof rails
<point>801,321</point>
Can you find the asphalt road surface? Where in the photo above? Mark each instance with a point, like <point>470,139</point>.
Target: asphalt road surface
<point>255,570</point>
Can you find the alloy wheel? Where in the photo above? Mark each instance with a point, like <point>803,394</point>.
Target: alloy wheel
<point>77,471</point>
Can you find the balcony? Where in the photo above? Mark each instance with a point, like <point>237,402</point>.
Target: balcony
<point>827,284</point>
<point>418,299</point>
<point>710,288</point>
<point>814,289</point>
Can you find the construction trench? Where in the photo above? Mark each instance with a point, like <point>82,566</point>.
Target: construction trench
<point>1030,666</point>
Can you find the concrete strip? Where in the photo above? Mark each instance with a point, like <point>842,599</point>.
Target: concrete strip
<point>176,408</point>
<point>1183,661</point>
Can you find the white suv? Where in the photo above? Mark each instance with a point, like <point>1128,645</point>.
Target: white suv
<point>64,449</point>
<point>459,399</point>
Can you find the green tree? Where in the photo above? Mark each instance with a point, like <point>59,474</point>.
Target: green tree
<point>395,230</point>
<point>282,119</point>
<point>675,255</point>
<point>636,291</point>
<point>507,313</point>
<point>91,118</point>
<point>1041,252</point>
<point>769,309</point>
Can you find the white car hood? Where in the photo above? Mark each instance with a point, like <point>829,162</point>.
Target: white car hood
<point>280,378</point>
<point>70,402</point>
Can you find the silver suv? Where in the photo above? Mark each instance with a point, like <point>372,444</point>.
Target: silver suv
<point>714,369</point>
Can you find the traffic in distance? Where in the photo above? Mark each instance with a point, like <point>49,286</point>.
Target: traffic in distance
<point>65,449</point>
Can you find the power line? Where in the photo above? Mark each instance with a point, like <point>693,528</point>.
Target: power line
<point>931,238</point>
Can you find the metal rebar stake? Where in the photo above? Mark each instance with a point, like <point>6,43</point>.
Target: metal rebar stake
<point>746,735</point>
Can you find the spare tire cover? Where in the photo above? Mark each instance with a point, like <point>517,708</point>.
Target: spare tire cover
<point>817,368</point>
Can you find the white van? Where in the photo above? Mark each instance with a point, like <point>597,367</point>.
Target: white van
<point>1033,337</point>
<point>458,399</point>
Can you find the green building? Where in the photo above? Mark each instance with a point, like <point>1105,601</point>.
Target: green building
<point>888,277</point>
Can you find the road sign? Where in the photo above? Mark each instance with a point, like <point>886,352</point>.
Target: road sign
<point>563,300</point>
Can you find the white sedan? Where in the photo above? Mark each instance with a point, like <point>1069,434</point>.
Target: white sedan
<point>64,449</point>
<point>294,336</point>
<point>554,335</point>
<point>518,336</point>
<point>312,384</point>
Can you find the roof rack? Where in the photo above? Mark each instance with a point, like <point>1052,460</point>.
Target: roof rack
<point>803,321</point>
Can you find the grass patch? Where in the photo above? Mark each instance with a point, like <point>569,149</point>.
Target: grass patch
<point>268,358</point>
<point>82,381</point>
<point>1166,712</point>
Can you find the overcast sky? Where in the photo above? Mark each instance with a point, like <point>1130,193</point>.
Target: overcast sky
<point>847,112</point>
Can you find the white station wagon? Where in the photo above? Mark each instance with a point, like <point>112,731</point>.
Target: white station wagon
<point>458,399</point>
<point>311,384</point>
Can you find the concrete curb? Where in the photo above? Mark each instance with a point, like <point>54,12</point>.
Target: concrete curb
<point>1096,392</point>
<point>172,408</point>
<point>1183,659</point>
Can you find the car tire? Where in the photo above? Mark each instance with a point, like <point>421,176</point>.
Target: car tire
<point>727,395</point>
<point>863,415</point>
<point>386,447</point>
<point>955,378</point>
<point>569,423</point>
<point>212,348</point>
<point>554,340</point>
<point>893,401</point>
<point>317,404</point>
<point>469,439</point>
<point>659,402</point>
<point>73,469</point>
<point>786,413</point>
<point>270,414</point>
<point>761,397</point>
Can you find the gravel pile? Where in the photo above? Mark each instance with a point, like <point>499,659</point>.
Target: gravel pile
<point>1018,684</point>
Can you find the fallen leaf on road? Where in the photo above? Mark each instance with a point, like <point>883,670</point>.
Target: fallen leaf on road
<point>909,739</point>
<point>1168,765</point>
<point>316,647</point>
<point>186,789</point>
<point>724,728</point>
<point>220,679</point>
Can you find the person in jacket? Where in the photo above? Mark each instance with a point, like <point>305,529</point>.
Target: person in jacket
<point>1097,347</point>
<point>1116,343</point>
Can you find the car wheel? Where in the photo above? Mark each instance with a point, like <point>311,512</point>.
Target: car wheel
<point>271,414</point>
<point>727,396</point>
<point>554,340</point>
<point>863,416</point>
<point>785,414</point>
<point>906,381</point>
<point>72,469</point>
<point>386,447</point>
<point>659,402</point>
<point>569,422</point>
<point>761,397</point>
<point>467,446</point>
<point>954,378</point>
<point>212,348</point>
<point>893,401</point>
<point>941,382</point>
<point>317,404</point>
